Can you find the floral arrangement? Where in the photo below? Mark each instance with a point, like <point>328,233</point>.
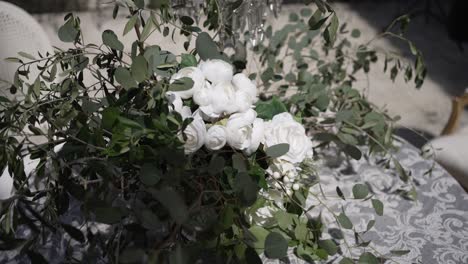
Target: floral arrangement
<point>167,158</point>
<point>226,103</point>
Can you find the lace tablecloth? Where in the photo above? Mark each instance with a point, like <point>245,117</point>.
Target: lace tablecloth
<point>434,228</point>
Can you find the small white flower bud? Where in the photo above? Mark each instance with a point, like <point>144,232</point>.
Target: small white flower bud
<point>296,187</point>
<point>286,179</point>
<point>289,192</point>
<point>276,175</point>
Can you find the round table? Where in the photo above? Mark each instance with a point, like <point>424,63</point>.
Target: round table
<point>434,228</point>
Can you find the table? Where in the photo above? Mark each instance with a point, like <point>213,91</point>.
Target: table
<point>434,228</point>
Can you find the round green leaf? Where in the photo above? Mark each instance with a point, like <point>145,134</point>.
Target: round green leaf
<point>149,174</point>
<point>276,246</point>
<point>356,33</point>
<point>181,84</point>
<point>277,150</point>
<point>360,191</point>
<point>123,76</point>
<point>206,47</point>
<point>378,206</point>
<point>140,68</point>
<point>329,246</point>
<point>344,221</point>
<point>68,32</point>
<point>368,258</point>
<point>110,39</point>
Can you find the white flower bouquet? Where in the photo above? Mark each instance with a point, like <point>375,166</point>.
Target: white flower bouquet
<point>176,159</point>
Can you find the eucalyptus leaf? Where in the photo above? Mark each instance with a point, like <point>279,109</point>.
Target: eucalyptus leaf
<point>110,39</point>
<point>344,221</point>
<point>400,252</point>
<point>206,47</point>
<point>181,84</point>
<point>368,258</point>
<point>68,32</point>
<point>378,206</point>
<point>277,151</point>
<point>276,246</point>
<point>360,191</point>
<point>123,76</point>
<point>174,203</point>
<point>139,68</point>
<point>150,174</point>
<point>130,24</point>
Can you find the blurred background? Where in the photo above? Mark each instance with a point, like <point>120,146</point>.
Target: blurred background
<point>438,28</point>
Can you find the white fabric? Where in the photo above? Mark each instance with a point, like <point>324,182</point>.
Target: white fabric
<point>19,31</point>
<point>452,153</point>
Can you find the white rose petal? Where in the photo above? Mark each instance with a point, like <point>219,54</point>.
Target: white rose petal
<point>217,71</point>
<point>193,73</point>
<point>224,98</point>
<point>284,129</point>
<point>244,84</point>
<point>203,95</point>
<point>243,101</point>
<point>258,132</point>
<point>215,138</point>
<point>195,134</point>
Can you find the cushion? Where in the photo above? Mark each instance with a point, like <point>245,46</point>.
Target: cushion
<point>452,153</point>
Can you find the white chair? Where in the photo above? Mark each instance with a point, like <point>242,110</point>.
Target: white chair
<point>451,148</point>
<point>19,31</point>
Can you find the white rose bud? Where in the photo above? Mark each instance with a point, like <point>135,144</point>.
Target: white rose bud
<point>239,128</point>
<point>193,73</point>
<point>276,175</point>
<point>284,129</point>
<point>195,134</point>
<point>217,71</point>
<point>215,138</point>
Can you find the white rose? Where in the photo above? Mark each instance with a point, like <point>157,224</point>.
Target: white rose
<point>215,138</point>
<point>244,84</point>
<point>258,132</point>
<point>284,129</point>
<point>217,100</point>
<point>195,134</point>
<point>243,101</point>
<point>177,105</point>
<point>217,71</point>
<point>203,96</point>
<point>245,131</point>
<point>193,73</point>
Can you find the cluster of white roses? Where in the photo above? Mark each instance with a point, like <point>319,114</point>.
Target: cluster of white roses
<point>226,116</point>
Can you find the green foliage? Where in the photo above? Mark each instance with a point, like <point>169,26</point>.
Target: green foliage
<point>115,148</point>
<point>276,246</point>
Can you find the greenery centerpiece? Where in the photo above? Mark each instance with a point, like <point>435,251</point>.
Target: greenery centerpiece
<point>175,158</point>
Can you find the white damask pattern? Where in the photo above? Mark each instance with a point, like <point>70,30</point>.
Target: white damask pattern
<point>434,228</point>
